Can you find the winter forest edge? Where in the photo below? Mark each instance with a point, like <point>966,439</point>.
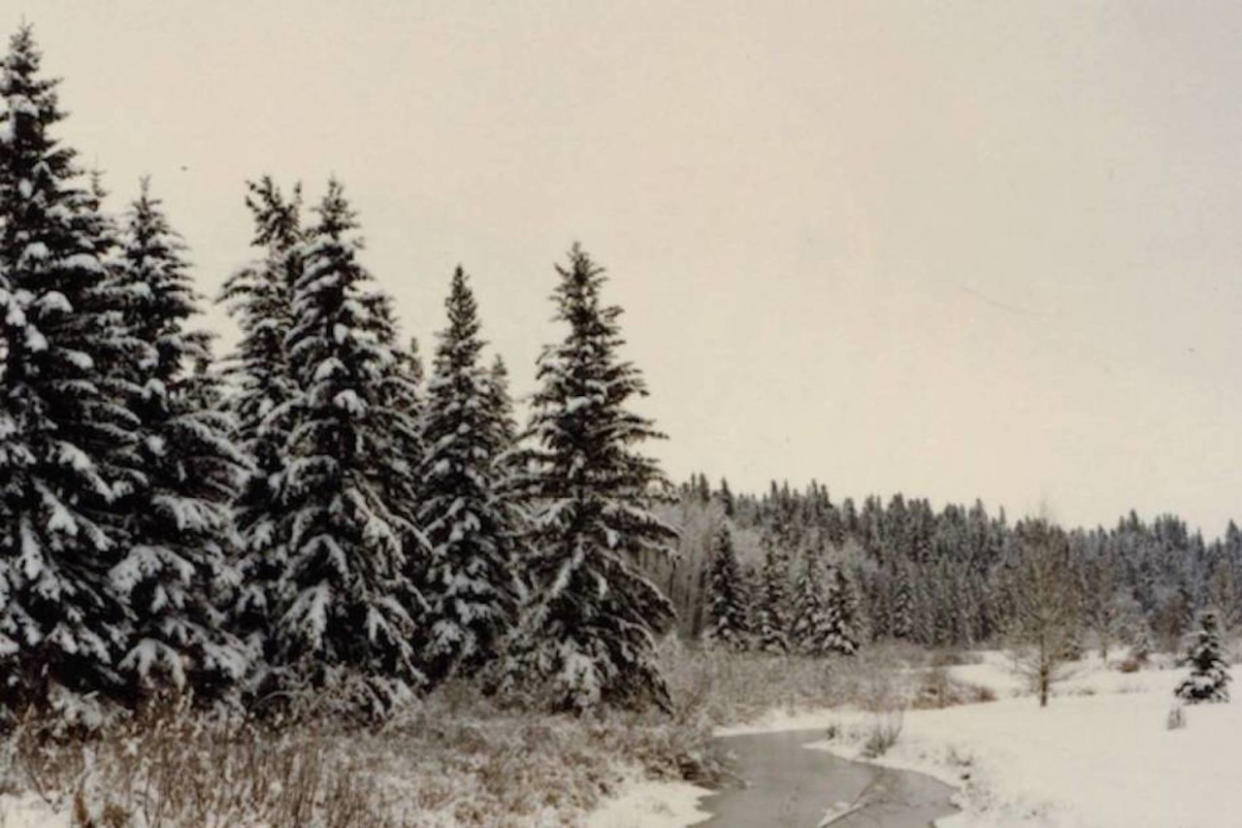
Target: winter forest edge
<point>315,526</point>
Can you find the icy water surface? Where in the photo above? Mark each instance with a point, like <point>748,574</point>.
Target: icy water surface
<point>789,785</point>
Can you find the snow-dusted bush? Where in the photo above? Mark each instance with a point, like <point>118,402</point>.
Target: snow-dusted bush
<point>884,732</point>
<point>1209,673</point>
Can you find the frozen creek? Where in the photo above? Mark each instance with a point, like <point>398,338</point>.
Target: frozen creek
<point>788,784</point>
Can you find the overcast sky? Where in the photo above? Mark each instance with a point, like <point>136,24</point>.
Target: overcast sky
<point>951,249</point>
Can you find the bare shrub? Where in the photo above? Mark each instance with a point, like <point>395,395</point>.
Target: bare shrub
<point>712,686</point>
<point>1045,625</point>
<point>884,732</point>
<point>1129,665</point>
<point>982,693</point>
<point>935,690</point>
<point>938,689</point>
<point>953,658</point>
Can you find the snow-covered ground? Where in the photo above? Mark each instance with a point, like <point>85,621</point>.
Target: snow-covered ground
<point>29,811</point>
<point>647,804</point>
<point>1099,755</point>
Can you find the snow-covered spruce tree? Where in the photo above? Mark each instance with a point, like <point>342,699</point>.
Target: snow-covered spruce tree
<point>258,296</point>
<point>398,414</point>
<point>507,468</point>
<point>176,563</point>
<point>348,602</point>
<point>810,615</point>
<point>727,611</point>
<point>588,636</point>
<point>1209,672</point>
<point>64,428</point>
<point>841,631</point>
<point>770,616</point>
<point>902,616</point>
<point>500,409</point>
<point>469,588</point>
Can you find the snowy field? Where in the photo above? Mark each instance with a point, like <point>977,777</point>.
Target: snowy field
<point>647,804</point>
<point>29,811</point>
<point>1099,755</point>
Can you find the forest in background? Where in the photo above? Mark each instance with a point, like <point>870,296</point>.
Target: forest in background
<point>949,578</point>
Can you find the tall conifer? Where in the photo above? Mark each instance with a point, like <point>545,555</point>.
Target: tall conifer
<point>727,611</point>
<point>470,588</point>
<point>259,297</point>
<point>348,601</point>
<point>176,566</point>
<point>590,631</point>
<point>66,434</point>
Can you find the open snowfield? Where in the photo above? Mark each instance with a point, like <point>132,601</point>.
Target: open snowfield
<point>648,804</point>
<point>1099,755</point>
<point>29,811</point>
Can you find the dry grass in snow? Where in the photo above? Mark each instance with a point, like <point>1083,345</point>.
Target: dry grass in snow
<point>453,760</point>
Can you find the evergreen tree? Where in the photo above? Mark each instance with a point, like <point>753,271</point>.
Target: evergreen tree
<point>414,360</point>
<point>176,562</point>
<point>1209,672</point>
<point>66,435</point>
<point>510,458</point>
<point>841,630</point>
<point>770,619</point>
<point>726,499</point>
<point>398,414</point>
<point>259,298</point>
<point>470,587</point>
<point>810,625</point>
<point>728,605</point>
<point>500,403</point>
<point>507,475</point>
<point>589,636</point>
<point>902,620</point>
<point>347,598</point>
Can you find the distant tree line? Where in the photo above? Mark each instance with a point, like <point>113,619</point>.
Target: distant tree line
<point>952,577</point>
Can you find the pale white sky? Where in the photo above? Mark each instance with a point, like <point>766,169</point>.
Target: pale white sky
<point>952,249</point>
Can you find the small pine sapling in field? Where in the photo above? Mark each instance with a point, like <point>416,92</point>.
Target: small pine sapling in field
<point>1209,672</point>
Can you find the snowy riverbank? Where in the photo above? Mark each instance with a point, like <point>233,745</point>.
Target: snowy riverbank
<point>1099,755</point>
